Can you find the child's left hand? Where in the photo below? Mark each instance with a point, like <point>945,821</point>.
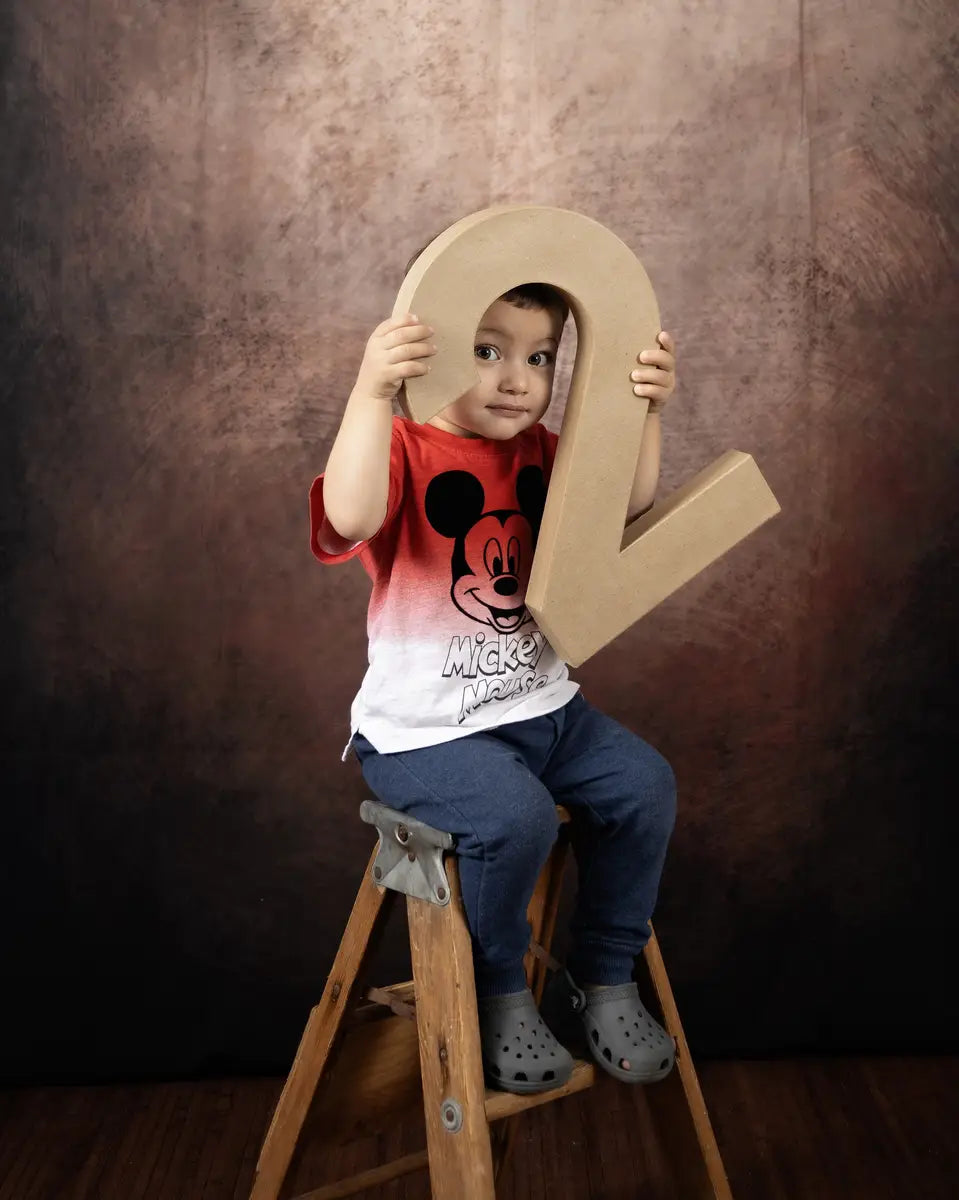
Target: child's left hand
<point>656,376</point>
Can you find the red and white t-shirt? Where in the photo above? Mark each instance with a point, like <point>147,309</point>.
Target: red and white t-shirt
<point>452,648</point>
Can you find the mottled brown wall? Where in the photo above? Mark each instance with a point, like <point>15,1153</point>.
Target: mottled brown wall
<point>206,207</point>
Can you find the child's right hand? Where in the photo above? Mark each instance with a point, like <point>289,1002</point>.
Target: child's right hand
<point>395,352</point>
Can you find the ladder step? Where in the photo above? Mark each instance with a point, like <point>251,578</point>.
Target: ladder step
<point>368,1179</point>
<point>508,1104</point>
<point>498,1106</point>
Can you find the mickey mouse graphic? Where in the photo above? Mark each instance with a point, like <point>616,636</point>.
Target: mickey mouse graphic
<point>492,551</point>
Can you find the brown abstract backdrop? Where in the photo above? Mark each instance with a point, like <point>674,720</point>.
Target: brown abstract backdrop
<point>206,205</point>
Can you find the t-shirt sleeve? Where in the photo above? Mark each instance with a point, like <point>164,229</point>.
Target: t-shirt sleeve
<point>325,542</point>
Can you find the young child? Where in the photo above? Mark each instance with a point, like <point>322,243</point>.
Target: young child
<point>466,718</point>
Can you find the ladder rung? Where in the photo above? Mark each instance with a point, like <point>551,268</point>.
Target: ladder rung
<point>368,1179</point>
<point>370,1011</point>
<point>498,1106</point>
<point>507,1104</point>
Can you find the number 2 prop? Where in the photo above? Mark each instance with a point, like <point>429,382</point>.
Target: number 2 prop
<point>592,576</point>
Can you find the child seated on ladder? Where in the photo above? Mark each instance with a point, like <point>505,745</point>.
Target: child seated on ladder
<point>466,718</point>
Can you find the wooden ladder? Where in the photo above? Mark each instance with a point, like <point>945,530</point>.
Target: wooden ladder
<point>358,1063</point>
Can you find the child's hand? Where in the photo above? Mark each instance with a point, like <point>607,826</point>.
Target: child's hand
<point>656,379</point>
<point>395,352</point>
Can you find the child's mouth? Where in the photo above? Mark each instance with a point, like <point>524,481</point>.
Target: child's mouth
<point>506,410</point>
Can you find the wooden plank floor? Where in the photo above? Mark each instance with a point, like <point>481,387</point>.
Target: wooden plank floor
<point>802,1129</point>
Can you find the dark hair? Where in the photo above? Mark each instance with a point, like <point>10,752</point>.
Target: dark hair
<point>526,295</point>
<point>539,295</point>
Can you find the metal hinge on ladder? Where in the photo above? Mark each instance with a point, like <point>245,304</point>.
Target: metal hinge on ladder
<point>409,858</point>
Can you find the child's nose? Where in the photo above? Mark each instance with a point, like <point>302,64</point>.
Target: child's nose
<point>514,380</point>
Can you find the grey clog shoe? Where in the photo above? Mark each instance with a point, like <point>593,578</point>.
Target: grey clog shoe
<point>619,1033</point>
<point>520,1054</point>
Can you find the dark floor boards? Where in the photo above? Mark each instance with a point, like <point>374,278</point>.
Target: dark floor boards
<point>797,1129</point>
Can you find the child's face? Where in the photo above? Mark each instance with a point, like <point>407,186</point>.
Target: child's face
<point>515,351</point>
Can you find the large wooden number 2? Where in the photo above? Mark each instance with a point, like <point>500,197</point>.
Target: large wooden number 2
<point>593,576</point>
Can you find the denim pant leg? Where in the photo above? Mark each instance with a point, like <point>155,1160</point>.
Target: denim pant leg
<point>504,821</point>
<point>621,794</point>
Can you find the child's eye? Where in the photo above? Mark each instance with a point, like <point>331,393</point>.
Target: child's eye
<point>486,353</point>
<point>544,358</point>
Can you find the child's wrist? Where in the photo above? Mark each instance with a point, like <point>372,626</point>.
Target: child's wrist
<point>369,398</point>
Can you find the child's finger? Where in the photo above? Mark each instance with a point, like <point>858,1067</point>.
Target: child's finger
<point>404,334</point>
<point>405,325</point>
<point>657,358</point>
<point>666,341</point>
<point>410,350</point>
<point>408,369</point>
<point>650,375</point>
<point>389,324</point>
<point>392,323</point>
<point>652,391</point>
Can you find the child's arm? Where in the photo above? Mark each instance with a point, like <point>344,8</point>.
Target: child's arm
<point>357,477</point>
<point>647,468</point>
<point>655,379</point>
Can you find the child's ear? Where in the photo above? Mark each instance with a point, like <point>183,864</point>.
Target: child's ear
<point>454,502</point>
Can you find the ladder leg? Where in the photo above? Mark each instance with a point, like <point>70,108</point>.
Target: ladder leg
<point>317,1042</point>
<point>543,908</point>
<point>542,911</point>
<point>454,1094</point>
<point>677,1105</point>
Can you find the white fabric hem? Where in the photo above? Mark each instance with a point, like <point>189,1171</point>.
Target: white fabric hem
<point>387,738</point>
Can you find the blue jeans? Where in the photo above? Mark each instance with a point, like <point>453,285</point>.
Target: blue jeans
<point>497,792</point>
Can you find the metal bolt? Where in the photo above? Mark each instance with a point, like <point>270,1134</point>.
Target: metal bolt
<point>335,993</point>
<point>452,1116</point>
<point>441,893</point>
<point>377,872</point>
<point>411,856</point>
<point>402,834</point>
